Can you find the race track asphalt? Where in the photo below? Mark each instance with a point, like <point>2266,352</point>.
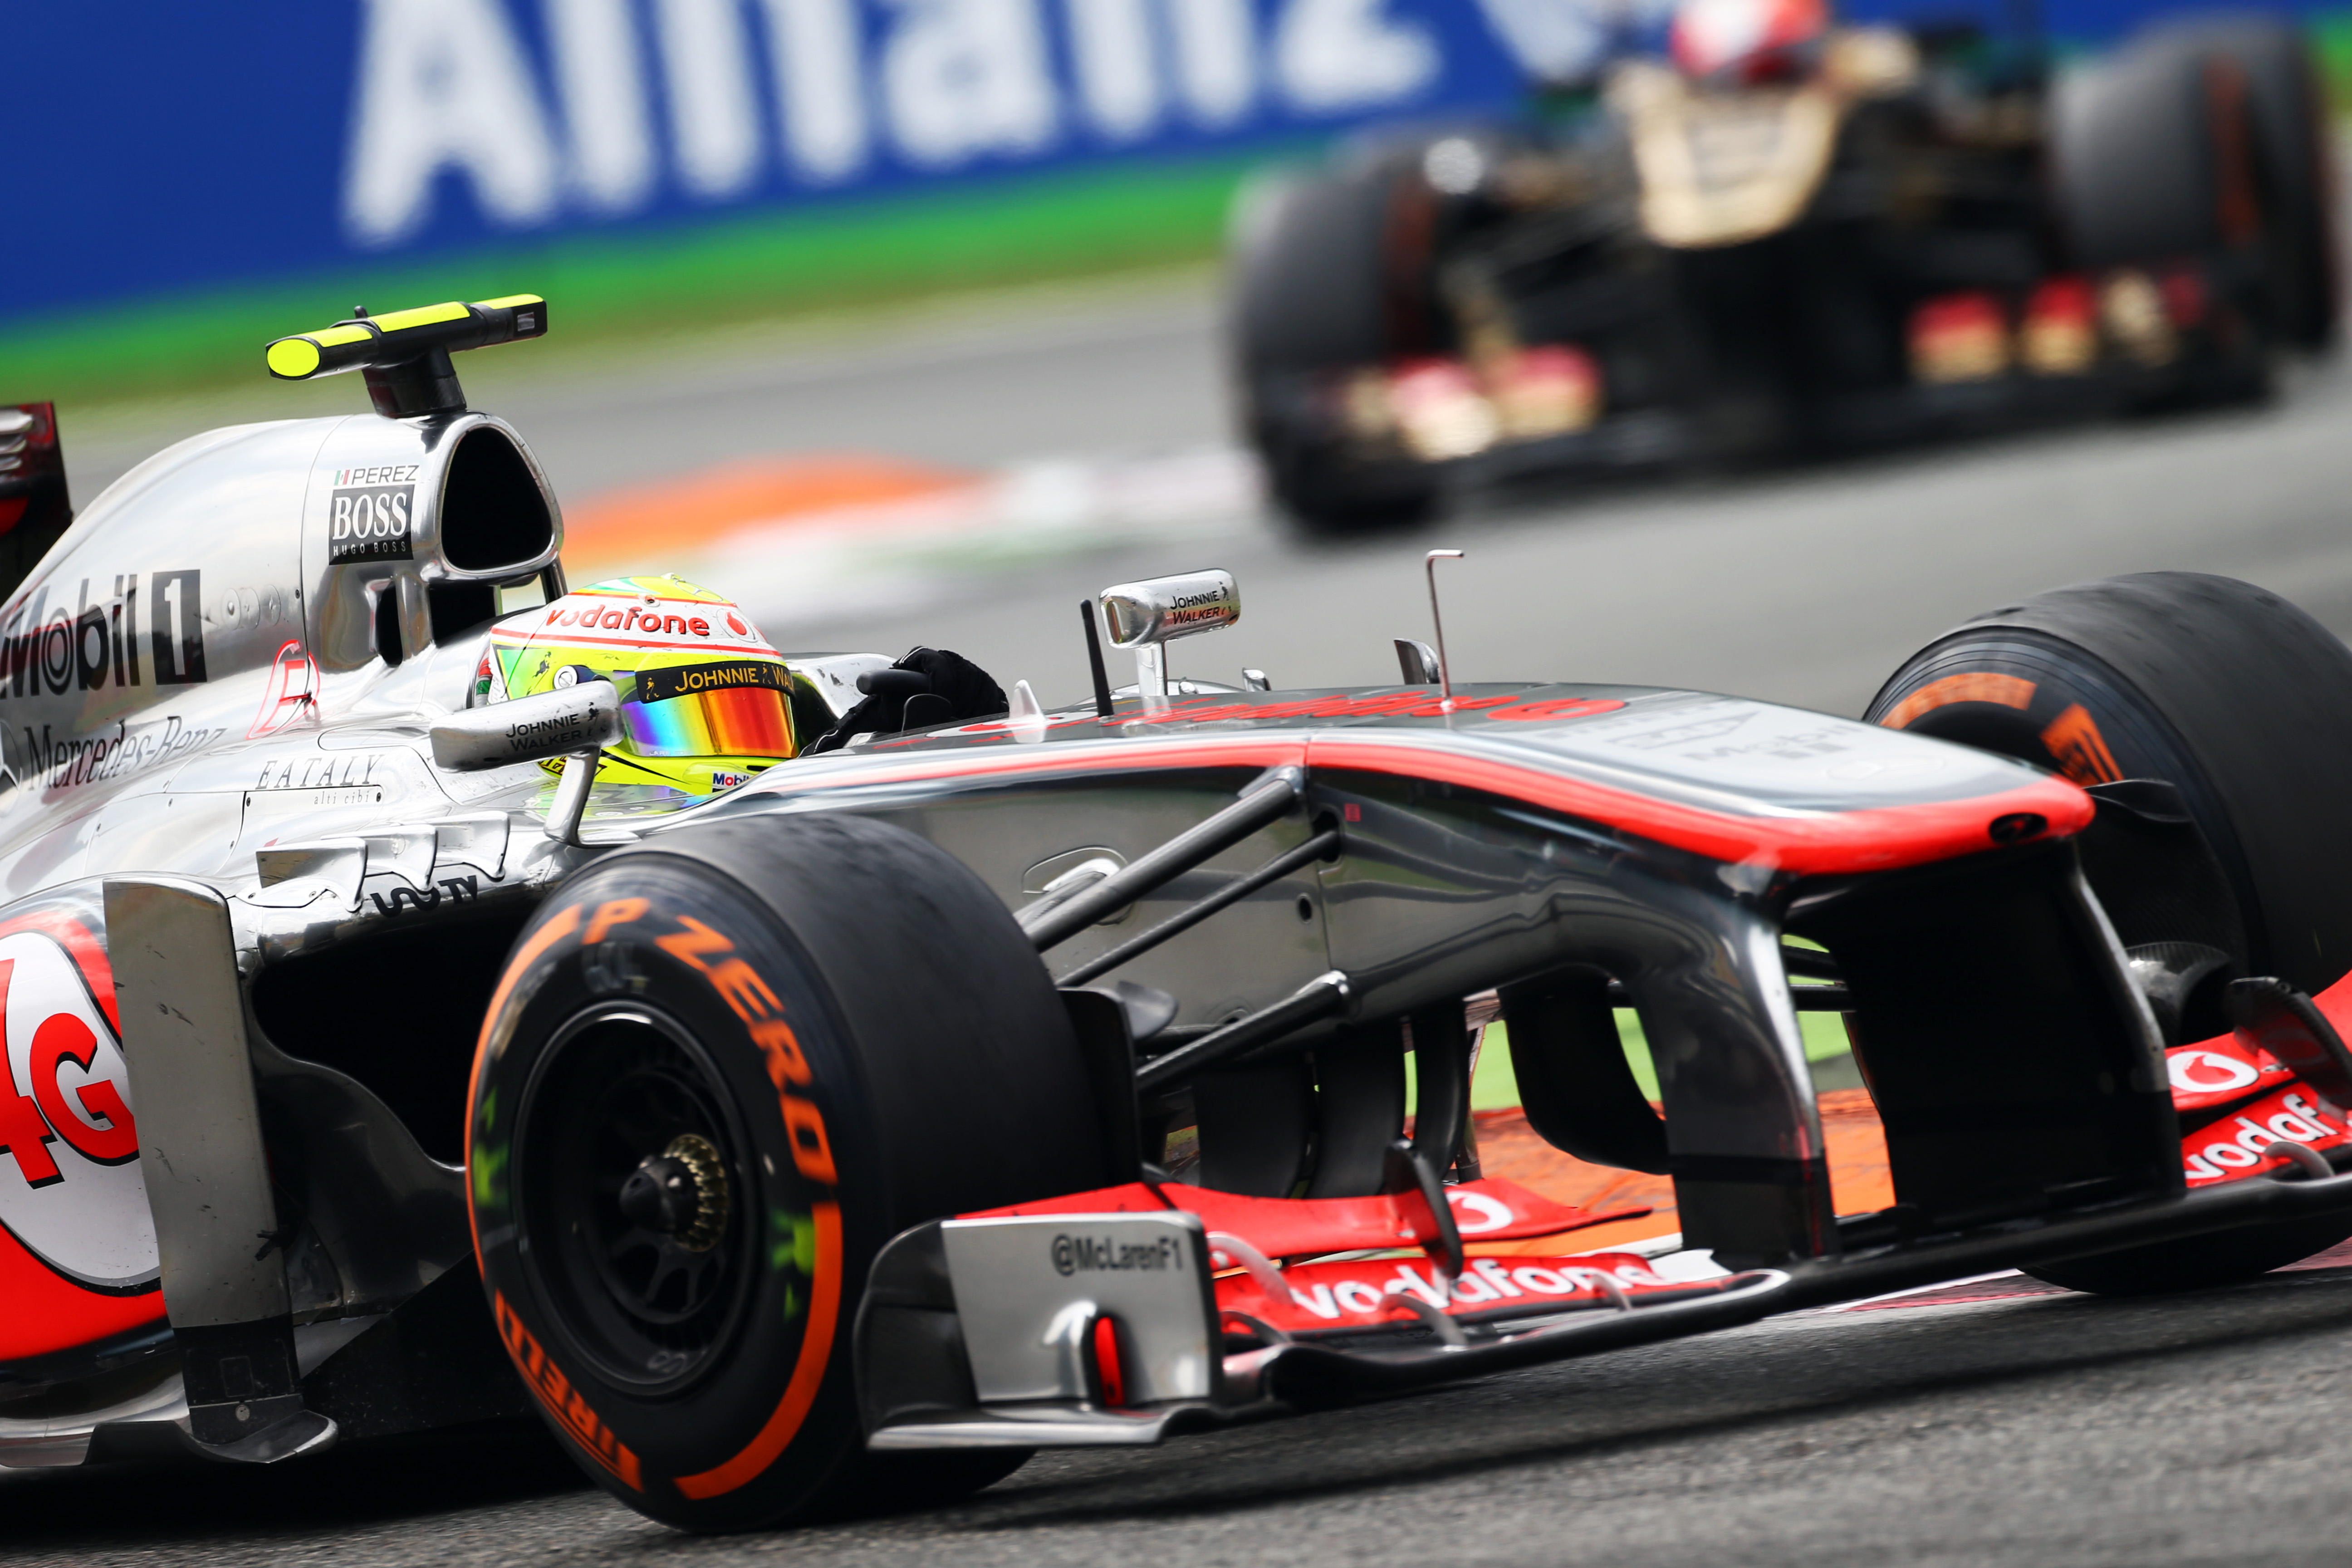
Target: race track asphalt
<point>2060,1430</point>
<point>2057,1430</point>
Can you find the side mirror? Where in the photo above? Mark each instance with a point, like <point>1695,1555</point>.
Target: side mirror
<point>583,718</point>
<point>1144,615</point>
<point>576,722</point>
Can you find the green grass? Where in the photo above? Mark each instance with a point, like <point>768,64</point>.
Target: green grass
<point>2331,36</point>
<point>599,289</point>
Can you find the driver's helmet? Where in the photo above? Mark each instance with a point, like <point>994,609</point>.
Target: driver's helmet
<point>1748,41</point>
<point>705,701</point>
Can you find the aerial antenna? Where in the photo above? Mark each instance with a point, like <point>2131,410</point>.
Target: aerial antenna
<point>1095,660</point>
<point>1437,623</point>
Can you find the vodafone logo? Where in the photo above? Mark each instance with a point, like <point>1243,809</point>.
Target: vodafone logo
<point>648,621</point>
<point>1326,1293</point>
<point>612,615</point>
<point>69,1184</point>
<point>2230,1148</point>
<point>2209,1072</point>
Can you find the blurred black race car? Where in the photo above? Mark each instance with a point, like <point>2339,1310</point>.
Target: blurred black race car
<point>1791,236</point>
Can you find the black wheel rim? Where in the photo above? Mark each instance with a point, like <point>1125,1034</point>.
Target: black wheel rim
<point>650,1310</point>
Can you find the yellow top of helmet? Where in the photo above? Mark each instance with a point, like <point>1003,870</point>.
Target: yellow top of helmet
<point>706,702</point>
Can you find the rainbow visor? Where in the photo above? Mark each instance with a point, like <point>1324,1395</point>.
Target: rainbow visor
<point>732,710</point>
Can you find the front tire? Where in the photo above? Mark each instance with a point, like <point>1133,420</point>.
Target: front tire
<point>722,1068</point>
<point>2243,704</point>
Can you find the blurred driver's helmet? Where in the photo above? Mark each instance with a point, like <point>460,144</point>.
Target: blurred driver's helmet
<point>1748,41</point>
<point>705,701</point>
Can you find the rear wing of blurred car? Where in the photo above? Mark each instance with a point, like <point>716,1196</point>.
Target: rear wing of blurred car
<point>34,506</point>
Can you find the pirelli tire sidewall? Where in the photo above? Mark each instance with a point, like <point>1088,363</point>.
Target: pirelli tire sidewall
<point>639,1445</point>
<point>2047,701</point>
<point>826,1167</point>
<point>2231,694</point>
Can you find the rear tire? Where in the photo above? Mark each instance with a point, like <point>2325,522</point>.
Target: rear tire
<point>2243,704</point>
<point>811,1033</point>
<point>2152,152</point>
<point>2293,137</point>
<point>1317,280</point>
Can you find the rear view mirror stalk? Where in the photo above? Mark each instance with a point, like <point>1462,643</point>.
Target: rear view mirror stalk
<point>1147,615</point>
<point>576,723</point>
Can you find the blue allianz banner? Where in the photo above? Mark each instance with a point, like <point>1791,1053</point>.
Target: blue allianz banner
<point>160,147</point>
<point>183,145</point>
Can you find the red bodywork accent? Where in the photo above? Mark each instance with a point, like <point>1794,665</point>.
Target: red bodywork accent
<point>1880,838</point>
<point>2246,1101</point>
<point>1488,1210</point>
<point>1829,843</point>
<point>32,482</point>
<point>45,1312</point>
<point>1108,1368</point>
<point>293,682</point>
<point>1364,1294</point>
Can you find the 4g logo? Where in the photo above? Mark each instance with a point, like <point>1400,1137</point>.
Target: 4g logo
<point>70,1187</point>
<point>65,1056</point>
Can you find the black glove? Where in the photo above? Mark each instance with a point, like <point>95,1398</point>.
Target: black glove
<point>935,679</point>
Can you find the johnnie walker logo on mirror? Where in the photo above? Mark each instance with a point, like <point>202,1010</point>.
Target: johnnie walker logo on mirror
<point>369,511</point>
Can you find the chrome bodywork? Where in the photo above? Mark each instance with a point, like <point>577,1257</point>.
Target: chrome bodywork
<point>227,722</point>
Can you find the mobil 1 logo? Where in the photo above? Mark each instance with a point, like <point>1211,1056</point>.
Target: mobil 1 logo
<point>369,513</point>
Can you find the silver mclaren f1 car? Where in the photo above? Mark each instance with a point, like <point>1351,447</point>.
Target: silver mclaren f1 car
<point>432,995</point>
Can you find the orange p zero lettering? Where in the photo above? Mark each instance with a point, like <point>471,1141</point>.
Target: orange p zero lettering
<point>782,1049</point>
<point>739,986</point>
<point>620,912</point>
<point>812,1151</point>
<point>689,945</point>
<point>562,924</point>
<point>1975,686</point>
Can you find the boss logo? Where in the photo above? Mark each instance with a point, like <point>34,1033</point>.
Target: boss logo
<point>369,522</point>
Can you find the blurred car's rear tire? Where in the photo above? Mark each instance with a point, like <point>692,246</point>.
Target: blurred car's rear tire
<point>1316,281</point>
<point>2155,150</point>
<point>811,1034</point>
<point>2243,704</point>
<point>2294,136</point>
<point>1329,490</point>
